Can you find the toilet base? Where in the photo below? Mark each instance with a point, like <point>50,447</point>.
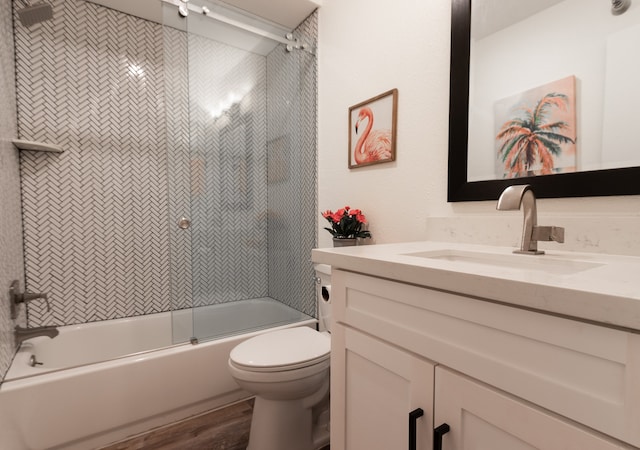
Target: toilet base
<point>280,425</point>
<point>285,425</point>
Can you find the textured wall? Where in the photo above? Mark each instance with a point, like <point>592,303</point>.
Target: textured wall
<point>100,218</point>
<point>11,263</point>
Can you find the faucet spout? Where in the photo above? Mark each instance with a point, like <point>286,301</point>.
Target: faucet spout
<point>517,196</point>
<point>22,334</point>
<point>513,198</point>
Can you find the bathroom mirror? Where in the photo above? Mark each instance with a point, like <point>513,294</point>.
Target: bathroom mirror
<point>501,48</point>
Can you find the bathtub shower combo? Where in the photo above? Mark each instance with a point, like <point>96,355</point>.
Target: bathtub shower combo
<point>240,182</point>
<point>104,381</point>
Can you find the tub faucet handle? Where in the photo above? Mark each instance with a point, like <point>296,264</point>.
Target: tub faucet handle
<point>28,296</point>
<point>16,297</point>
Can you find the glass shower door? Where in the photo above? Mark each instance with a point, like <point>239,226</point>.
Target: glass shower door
<point>176,97</point>
<point>242,175</point>
<point>227,90</point>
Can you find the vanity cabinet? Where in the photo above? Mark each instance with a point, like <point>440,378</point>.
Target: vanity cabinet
<point>500,377</point>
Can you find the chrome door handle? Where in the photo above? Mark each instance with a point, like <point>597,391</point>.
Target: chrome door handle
<point>184,223</point>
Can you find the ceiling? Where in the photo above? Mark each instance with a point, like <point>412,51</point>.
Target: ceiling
<point>489,16</point>
<point>286,13</point>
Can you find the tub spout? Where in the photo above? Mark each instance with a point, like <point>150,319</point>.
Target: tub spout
<point>22,334</point>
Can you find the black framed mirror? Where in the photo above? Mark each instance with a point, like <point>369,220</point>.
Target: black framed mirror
<point>606,182</point>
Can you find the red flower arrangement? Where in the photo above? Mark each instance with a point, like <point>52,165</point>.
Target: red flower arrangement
<point>346,223</point>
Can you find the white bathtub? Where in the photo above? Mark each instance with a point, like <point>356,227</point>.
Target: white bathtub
<point>104,381</point>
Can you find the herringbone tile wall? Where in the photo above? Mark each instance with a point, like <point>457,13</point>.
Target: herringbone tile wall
<point>95,216</point>
<point>228,183</point>
<point>292,141</point>
<point>100,218</point>
<point>11,263</point>
<point>176,69</point>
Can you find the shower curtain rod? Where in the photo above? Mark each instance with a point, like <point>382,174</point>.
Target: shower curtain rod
<point>288,40</point>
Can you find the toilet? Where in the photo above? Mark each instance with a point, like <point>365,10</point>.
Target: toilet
<point>288,372</point>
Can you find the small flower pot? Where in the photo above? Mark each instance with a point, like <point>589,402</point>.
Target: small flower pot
<point>345,242</point>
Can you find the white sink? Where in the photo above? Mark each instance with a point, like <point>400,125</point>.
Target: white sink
<point>538,263</point>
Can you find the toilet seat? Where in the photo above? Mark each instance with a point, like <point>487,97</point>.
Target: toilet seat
<point>283,350</point>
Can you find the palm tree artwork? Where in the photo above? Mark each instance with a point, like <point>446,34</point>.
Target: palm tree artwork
<point>539,138</point>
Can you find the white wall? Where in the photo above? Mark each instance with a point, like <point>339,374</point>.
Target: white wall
<point>369,46</point>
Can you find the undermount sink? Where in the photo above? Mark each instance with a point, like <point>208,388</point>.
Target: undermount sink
<point>539,263</point>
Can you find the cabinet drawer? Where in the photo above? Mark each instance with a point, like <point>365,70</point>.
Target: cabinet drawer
<point>588,373</point>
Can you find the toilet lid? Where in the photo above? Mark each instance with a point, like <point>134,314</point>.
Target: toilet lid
<point>286,349</point>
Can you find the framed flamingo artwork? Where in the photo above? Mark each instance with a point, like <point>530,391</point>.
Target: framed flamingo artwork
<point>536,131</point>
<point>372,130</point>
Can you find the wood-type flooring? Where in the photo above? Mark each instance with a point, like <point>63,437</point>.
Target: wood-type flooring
<point>223,429</point>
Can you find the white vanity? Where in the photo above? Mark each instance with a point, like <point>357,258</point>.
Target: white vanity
<point>510,351</point>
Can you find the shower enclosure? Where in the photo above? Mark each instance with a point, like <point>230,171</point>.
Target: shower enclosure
<point>241,142</point>
<point>187,181</point>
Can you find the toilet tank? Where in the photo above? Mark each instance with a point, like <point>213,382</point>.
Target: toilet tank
<point>323,296</point>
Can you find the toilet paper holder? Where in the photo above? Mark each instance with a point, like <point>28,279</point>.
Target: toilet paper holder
<point>326,293</point>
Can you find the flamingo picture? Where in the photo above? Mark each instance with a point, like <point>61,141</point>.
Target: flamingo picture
<point>372,130</point>
<point>373,145</point>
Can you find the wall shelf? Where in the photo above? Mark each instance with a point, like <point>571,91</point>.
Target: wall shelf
<point>37,146</point>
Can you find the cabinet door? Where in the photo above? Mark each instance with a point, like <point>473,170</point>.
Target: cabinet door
<point>374,387</point>
<point>481,418</point>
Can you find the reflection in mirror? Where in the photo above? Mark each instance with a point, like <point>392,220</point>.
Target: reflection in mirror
<point>543,92</point>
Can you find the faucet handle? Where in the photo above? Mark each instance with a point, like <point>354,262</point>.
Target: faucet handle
<point>28,296</point>
<point>548,233</point>
<point>16,297</point>
<point>557,234</point>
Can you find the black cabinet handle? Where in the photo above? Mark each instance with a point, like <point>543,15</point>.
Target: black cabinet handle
<point>437,435</point>
<point>413,417</point>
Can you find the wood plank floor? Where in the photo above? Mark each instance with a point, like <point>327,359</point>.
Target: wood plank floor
<point>223,429</point>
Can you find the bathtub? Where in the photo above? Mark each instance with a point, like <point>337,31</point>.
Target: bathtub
<point>105,381</point>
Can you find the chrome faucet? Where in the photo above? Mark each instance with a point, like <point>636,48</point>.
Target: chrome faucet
<point>512,198</point>
<point>22,334</point>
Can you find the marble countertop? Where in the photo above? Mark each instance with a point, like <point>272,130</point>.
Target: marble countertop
<point>594,287</point>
